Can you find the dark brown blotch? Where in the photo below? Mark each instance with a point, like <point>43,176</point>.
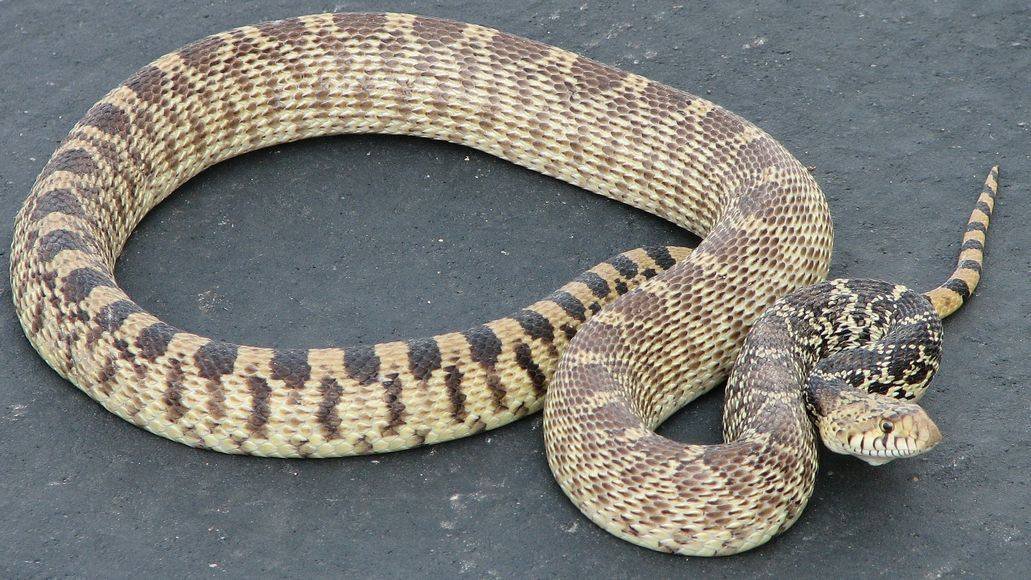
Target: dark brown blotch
<point>497,392</point>
<point>107,118</point>
<point>327,416</point>
<point>970,265</point>
<point>570,304</point>
<point>202,52</point>
<point>507,47</point>
<point>524,358</point>
<point>215,359</point>
<point>111,317</point>
<point>453,384</point>
<point>973,245</point>
<point>153,340</point>
<point>57,201</point>
<point>290,31</point>
<point>598,286</point>
<point>536,325</point>
<point>360,25</point>
<point>392,397</point>
<point>56,241</point>
<point>423,357</point>
<point>661,256</point>
<point>80,282</point>
<point>436,30</point>
<point>261,395</point>
<point>291,366</point>
<point>959,287</point>
<point>173,395</point>
<point>75,160</point>
<point>624,265</point>
<point>361,364</point>
<point>147,83</point>
<point>484,345</point>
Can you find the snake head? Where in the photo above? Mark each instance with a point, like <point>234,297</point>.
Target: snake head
<point>874,428</point>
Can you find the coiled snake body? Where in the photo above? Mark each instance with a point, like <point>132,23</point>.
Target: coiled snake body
<point>673,319</point>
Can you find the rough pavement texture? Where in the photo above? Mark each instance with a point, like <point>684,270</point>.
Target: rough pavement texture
<point>900,107</point>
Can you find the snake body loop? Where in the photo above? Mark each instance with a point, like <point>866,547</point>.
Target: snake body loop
<point>611,132</point>
<point>672,322</point>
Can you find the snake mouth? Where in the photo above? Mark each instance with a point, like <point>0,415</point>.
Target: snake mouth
<point>875,457</point>
<point>885,448</point>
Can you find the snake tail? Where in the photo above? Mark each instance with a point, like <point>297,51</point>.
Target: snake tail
<point>951,295</point>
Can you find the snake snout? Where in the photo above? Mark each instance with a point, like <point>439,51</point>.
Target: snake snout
<point>924,430</point>
<point>906,432</point>
<point>875,428</point>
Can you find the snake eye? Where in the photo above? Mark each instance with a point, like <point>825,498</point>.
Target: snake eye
<point>887,426</point>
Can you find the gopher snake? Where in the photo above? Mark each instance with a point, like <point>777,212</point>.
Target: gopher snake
<point>765,225</point>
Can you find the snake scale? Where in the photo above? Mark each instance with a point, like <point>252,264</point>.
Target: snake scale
<point>623,345</point>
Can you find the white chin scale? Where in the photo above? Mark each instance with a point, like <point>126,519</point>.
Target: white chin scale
<point>875,460</point>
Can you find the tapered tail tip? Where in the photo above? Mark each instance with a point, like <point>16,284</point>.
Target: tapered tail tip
<point>951,295</point>
<point>993,178</point>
